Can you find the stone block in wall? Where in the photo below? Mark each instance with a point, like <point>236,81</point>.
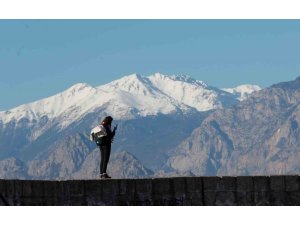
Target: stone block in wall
<point>262,198</point>
<point>64,193</point>
<point>194,192</point>
<point>261,183</point>
<point>143,192</point>
<point>126,192</point>
<point>225,198</point>
<point>261,190</point>
<point>28,193</point>
<point>292,188</point>
<point>210,188</point>
<point>209,198</point>
<point>179,191</point>
<point>219,191</point>
<point>2,186</point>
<point>253,190</point>
<point>50,188</point>
<point>277,183</point>
<point>32,193</point>
<point>110,191</point>
<point>244,198</point>
<point>293,198</point>
<point>3,201</point>
<point>76,192</point>
<point>18,186</point>
<point>26,187</point>
<point>37,188</point>
<point>162,192</point>
<point>211,183</point>
<point>244,184</point>
<point>77,188</point>
<point>5,193</point>
<point>26,201</point>
<point>93,188</point>
<point>93,193</point>
<point>277,198</point>
<point>50,192</point>
<point>292,183</point>
<point>10,190</point>
<point>25,194</point>
<point>227,184</point>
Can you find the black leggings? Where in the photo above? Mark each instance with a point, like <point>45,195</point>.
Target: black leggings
<point>105,153</point>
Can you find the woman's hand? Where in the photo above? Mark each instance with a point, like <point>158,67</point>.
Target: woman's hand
<point>116,127</point>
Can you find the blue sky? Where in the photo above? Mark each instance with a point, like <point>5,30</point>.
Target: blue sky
<point>39,58</point>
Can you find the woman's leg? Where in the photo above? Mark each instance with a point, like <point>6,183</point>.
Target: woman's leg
<point>102,151</point>
<point>106,157</point>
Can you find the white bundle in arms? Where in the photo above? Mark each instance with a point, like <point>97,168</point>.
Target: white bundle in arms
<point>98,131</point>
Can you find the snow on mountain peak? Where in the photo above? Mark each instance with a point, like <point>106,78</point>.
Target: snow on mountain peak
<point>80,90</point>
<point>178,90</point>
<point>127,97</point>
<point>180,78</point>
<point>187,90</point>
<point>79,87</point>
<point>136,95</point>
<point>124,81</point>
<point>53,106</point>
<point>242,92</point>
<point>134,84</point>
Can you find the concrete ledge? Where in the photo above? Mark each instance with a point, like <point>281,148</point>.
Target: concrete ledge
<point>184,191</point>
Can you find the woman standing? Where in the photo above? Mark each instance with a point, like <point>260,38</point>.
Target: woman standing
<point>105,145</point>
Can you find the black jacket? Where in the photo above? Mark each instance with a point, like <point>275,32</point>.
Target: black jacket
<point>109,137</point>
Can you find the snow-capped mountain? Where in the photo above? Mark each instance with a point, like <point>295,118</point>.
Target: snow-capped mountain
<point>191,92</point>
<point>66,107</point>
<point>154,113</point>
<point>242,92</point>
<point>128,97</point>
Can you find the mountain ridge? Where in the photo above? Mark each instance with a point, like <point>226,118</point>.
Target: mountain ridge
<point>258,136</point>
<point>155,114</point>
<point>83,96</point>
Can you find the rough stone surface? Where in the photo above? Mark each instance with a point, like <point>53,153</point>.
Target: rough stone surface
<point>194,191</point>
<point>292,183</point>
<point>184,191</point>
<point>277,183</point>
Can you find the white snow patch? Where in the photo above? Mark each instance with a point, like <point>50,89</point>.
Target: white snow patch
<point>243,91</point>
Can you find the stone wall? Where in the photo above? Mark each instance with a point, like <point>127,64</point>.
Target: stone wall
<point>208,191</point>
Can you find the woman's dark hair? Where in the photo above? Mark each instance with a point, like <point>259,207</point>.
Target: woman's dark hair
<point>107,120</point>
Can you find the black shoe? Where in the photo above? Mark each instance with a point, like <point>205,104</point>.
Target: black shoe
<point>105,176</point>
